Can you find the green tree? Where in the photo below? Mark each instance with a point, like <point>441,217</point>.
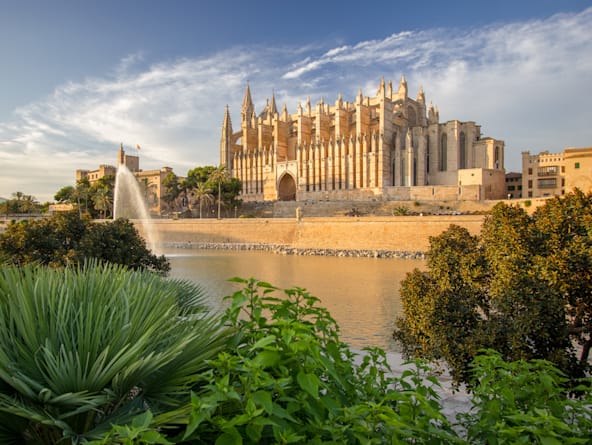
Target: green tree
<point>522,288</point>
<point>203,194</point>
<point>103,202</point>
<point>218,176</point>
<point>83,349</point>
<point>172,190</point>
<point>66,194</point>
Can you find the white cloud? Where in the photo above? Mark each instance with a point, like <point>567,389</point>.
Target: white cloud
<point>526,83</point>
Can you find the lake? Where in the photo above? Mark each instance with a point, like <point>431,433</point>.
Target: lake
<point>362,294</point>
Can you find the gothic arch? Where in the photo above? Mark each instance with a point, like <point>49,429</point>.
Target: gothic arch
<point>463,150</point>
<point>443,152</point>
<point>411,116</point>
<point>287,188</point>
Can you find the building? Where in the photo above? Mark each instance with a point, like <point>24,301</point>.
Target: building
<point>151,181</point>
<point>389,146</point>
<point>553,174</point>
<point>513,185</point>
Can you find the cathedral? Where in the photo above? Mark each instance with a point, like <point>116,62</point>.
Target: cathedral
<point>388,147</point>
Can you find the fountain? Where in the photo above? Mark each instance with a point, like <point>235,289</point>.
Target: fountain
<point>128,202</point>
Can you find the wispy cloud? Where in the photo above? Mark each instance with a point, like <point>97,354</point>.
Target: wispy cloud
<point>527,83</point>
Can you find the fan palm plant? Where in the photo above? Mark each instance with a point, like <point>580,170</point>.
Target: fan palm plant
<point>84,348</point>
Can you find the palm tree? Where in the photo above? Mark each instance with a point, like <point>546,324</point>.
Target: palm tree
<point>218,176</point>
<point>103,201</point>
<point>202,193</point>
<point>60,382</point>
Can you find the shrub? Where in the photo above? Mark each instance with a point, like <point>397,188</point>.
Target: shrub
<point>84,348</point>
<point>66,239</point>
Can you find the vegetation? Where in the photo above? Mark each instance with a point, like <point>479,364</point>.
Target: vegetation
<point>523,287</point>
<point>287,378</point>
<point>21,203</point>
<point>67,238</point>
<point>183,194</point>
<point>86,348</point>
<point>163,371</point>
<point>99,194</point>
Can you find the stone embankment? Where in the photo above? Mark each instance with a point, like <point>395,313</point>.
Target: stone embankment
<point>374,237</point>
<point>282,249</point>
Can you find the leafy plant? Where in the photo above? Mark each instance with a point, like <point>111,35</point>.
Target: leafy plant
<point>287,378</point>
<point>525,402</point>
<point>82,349</point>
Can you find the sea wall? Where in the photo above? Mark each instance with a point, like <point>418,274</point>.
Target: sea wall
<point>335,234</point>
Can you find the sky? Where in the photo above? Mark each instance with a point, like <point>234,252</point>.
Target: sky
<point>80,77</point>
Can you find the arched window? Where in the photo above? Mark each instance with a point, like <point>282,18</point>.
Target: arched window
<point>463,150</point>
<point>443,152</point>
<point>427,153</point>
<point>496,162</point>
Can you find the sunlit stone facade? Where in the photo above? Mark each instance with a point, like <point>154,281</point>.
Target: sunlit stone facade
<point>389,146</point>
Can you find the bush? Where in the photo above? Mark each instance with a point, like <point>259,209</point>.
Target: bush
<point>522,287</point>
<point>82,349</point>
<point>68,239</point>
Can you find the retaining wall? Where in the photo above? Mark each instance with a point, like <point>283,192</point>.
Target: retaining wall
<point>399,233</point>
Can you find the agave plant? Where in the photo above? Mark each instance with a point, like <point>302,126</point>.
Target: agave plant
<point>82,349</point>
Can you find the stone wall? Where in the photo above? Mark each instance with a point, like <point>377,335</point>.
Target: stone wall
<point>397,233</point>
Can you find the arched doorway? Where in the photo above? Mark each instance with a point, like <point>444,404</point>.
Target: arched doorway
<point>287,188</point>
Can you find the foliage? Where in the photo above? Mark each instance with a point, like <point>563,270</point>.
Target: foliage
<point>66,238</point>
<point>21,203</point>
<point>82,349</point>
<point>523,287</point>
<point>287,378</point>
<point>65,194</point>
<point>203,195</point>
<point>525,402</point>
<point>214,178</point>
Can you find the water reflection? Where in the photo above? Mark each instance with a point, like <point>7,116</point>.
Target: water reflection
<point>362,294</point>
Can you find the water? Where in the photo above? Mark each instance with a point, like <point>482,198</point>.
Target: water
<point>128,202</point>
<point>362,294</point>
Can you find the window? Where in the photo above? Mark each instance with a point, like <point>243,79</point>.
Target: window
<point>563,169</point>
<point>443,152</point>
<point>463,150</point>
<point>530,171</point>
<point>577,165</point>
<point>530,183</point>
<point>547,183</point>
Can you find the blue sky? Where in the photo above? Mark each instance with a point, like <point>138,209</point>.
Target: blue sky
<point>77,78</point>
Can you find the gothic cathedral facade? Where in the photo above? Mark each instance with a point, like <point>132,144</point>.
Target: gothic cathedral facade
<point>389,146</point>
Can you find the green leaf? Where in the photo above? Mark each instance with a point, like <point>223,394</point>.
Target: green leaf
<point>309,383</point>
<point>230,438</point>
<point>263,399</point>
<point>267,359</point>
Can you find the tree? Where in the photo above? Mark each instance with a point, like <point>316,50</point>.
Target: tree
<point>218,176</point>
<point>66,238</point>
<point>103,202</point>
<point>522,287</point>
<point>172,190</point>
<point>202,194</point>
<point>66,194</point>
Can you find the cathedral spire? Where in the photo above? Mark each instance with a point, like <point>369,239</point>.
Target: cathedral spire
<point>227,123</point>
<point>421,95</point>
<point>390,89</point>
<point>381,88</point>
<point>248,107</point>
<point>360,97</point>
<point>272,105</point>
<point>403,87</point>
